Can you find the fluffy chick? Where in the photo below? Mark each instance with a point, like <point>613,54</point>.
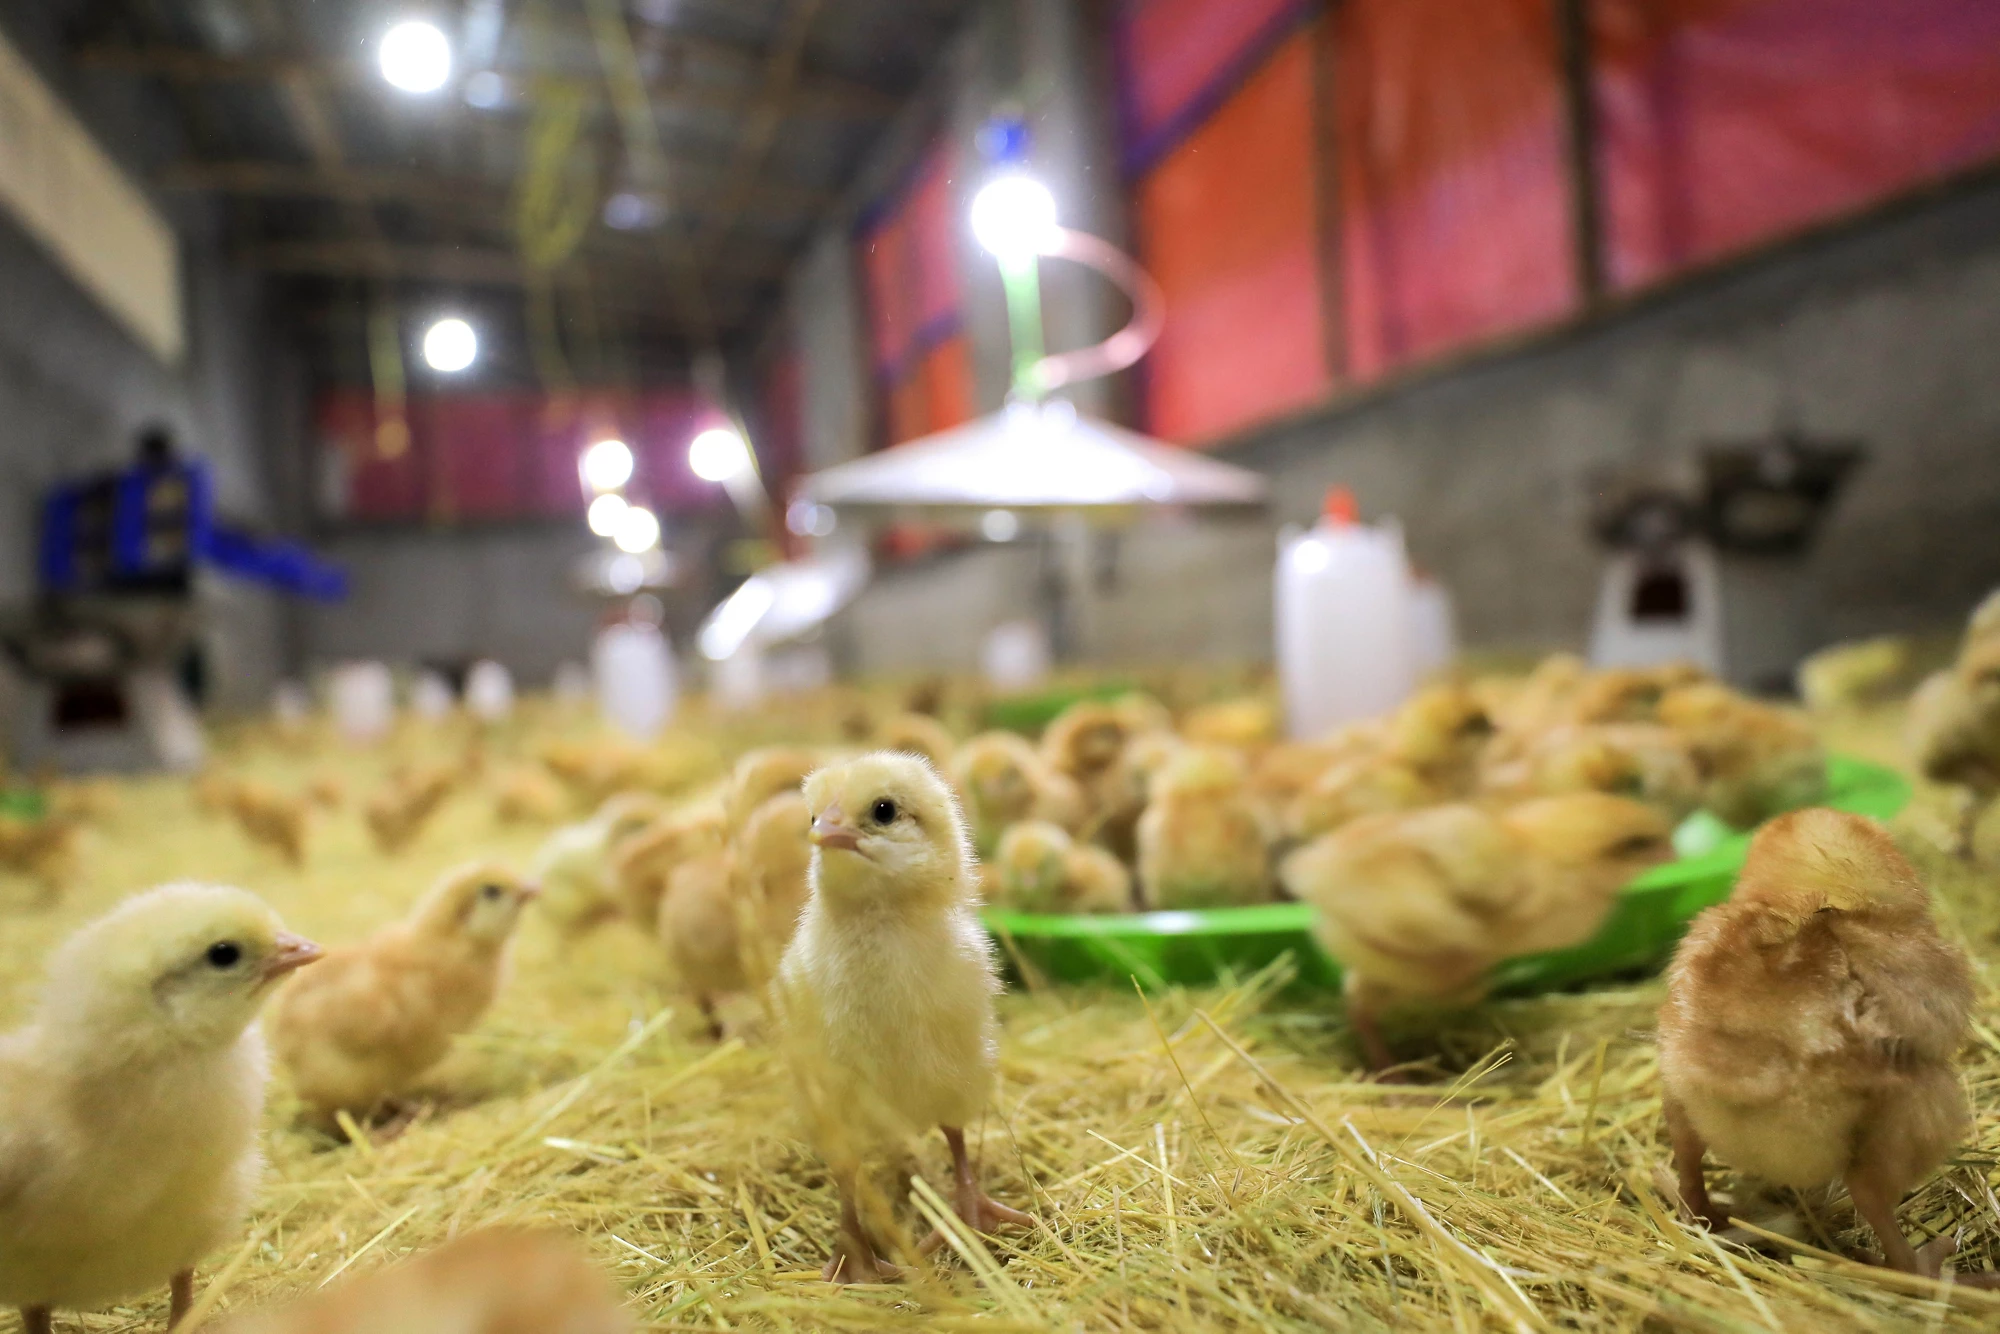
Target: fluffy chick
<point>1084,744</point>
<point>1756,760</point>
<point>727,914</point>
<point>1202,841</point>
<point>528,794</point>
<point>761,775</point>
<point>270,818</point>
<point>1004,781</point>
<point>359,1029</point>
<point>497,1281</point>
<point>887,988</point>
<point>1354,788</point>
<point>1247,723</point>
<point>917,734</point>
<point>398,812</point>
<point>1643,761</point>
<point>574,868</point>
<point>129,1104</point>
<point>1847,676</point>
<point>1418,907</point>
<point>1954,722</point>
<point>1440,734</point>
<point>43,849</point>
<point>1811,1023</point>
<point>641,865</point>
<point>1040,868</point>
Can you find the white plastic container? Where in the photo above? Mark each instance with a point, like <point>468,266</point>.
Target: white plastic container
<point>634,668</point>
<point>1433,627</point>
<point>431,698</point>
<point>362,696</point>
<point>489,691</point>
<point>1343,621</point>
<point>1015,655</point>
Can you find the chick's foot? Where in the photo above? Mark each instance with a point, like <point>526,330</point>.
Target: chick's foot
<point>851,1265</point>
<point>180,1297</point>
<point>36,1320</point>
<point>981,1212</point>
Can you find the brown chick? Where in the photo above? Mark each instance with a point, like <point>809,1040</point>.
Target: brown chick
<point>1630,694</point>
<point>1084,744</point>
<point>529,794</point>
<point>1004,781</point>
<point>1811,1023</point>
<point>1755,759</point>
<point>1419,906</point>
<point>364,1024</point>
<point>328,792</point>
<point>270,818</point>
<point>1202,842</point>
<point>1041,869</point>
<point>917,734</point>
<point>496,1281</point>
<point>43,849</point>
<point>727,914</point>
<point>398,813</point>
<point>641,865</point>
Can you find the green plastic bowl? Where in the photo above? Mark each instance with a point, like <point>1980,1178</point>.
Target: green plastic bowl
<point>1197,948</point>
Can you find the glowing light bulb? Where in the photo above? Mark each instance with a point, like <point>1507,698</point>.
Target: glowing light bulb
<point>638,530</point>
<point>450,345</point>
<point>1014,217</point>
<point>718,454</point>
<point>605,512</point>
<point>415,57</point>
<point>1000,525</point>
<point>607,465</point>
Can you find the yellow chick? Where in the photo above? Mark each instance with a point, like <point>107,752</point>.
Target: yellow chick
<point>1202,843</point>
<point>1632,694</point>
<point>1248,723</point>
<point>1643,761</point>
<point>917,734</point>
<point>727,914</point>
<point>761,775</point>
<point>1139,713</point>
<point>528,794</point>
<point>358,1030</point>
<point>1418,907</point>
<point>574,871</point>
<point>1538,701</point>
<point>496,1281</point>
<point>210,790</point>
<point>1954,722</point>
<point>1354,788</point>
<point>1004,781</point>
<point>1084,744</point>
<point>270,818</point>
<point>399,812</point>
<point>887,988</point>
<point>641,865</point>
<point>1811,1024</point>
<point>130,1102</point>
<point>328,792</point>
<point>1847,676</point>
<point>1756,760</point>
<point>1040,868</point>
<point>1440,733</point>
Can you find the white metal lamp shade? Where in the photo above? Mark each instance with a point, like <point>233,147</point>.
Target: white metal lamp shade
<point>1035,456</point>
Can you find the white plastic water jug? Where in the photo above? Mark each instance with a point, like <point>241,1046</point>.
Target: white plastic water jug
<point>1343,621</point>
<point>634,668</point>
<point>363,699</point>
<point>1015,655</point>
<point>1433,627</point>
<point>489,691</point>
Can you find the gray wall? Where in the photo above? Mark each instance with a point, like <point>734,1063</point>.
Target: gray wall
<point>74,386</point>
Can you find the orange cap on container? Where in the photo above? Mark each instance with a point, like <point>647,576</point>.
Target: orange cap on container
<point>1340,505</point>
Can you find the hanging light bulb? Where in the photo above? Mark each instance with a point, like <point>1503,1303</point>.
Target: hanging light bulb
<point>607,465</point>
<point>1014,216</point>
<point>450,345</point>
<point>415,57</point>
<point>638,530</point>
<point>718,454</point>
<point>605,513</point>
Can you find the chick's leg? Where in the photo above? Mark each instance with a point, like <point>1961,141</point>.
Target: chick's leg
<point>1875,1199</point>
<point>1688,1150</point>
<point>36,1320</point>
<point>980,1211</point>
<point>854,1259</point>
<point>180,1296</point>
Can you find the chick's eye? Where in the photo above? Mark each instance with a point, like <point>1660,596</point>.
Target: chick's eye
<point>491,892</point>
<point>224,954</point>
<point>883,811</point>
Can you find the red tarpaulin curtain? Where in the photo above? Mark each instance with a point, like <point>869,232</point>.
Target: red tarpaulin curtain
<point>909,266</point>
<point>1725,123</point>
<point>1454,201</point>
<point>509,454</point>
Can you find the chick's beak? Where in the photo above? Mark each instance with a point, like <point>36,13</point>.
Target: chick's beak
<point>530,892</point>
<point>829,831</point>
<point>292,953</point>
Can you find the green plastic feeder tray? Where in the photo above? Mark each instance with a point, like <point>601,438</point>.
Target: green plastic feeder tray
<point>1199,948</point>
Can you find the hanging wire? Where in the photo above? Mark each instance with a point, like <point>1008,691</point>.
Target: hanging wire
<point>555,201</point>
<point>386,372</point>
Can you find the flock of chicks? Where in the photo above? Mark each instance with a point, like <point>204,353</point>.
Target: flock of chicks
<point>1809,1032</point>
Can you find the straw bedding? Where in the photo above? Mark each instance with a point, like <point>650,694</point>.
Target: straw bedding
<point>1202,1160</point>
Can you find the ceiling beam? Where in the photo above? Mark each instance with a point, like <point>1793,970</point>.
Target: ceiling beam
<point>817,95</point>
<point>778,82</point>
<point>257,178</point>
<point>476,266</point>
